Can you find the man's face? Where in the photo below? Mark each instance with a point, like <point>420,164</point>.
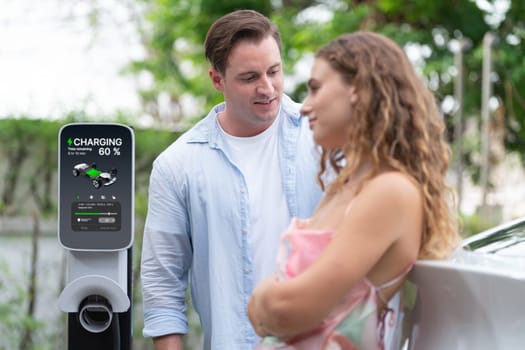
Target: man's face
<point>252,85</point>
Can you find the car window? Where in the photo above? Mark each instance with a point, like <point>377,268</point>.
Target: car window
<point>507,241</point>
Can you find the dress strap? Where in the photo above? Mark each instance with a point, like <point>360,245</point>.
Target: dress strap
<point>381,324</point>
<point>395,279</point>
<point>391,283</point>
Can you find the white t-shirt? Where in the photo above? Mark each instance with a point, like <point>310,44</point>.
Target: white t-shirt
<point>257,158</point>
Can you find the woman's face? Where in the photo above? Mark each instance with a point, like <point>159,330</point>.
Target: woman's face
<point>328,105</point>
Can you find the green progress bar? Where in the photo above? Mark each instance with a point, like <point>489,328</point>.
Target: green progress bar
<point>86,213</point>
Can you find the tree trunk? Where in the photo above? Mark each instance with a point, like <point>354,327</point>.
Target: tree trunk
<point>12,175</point>
<point>26,340</point>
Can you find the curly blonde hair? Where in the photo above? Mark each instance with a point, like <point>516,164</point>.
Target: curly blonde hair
<point>395,123</point>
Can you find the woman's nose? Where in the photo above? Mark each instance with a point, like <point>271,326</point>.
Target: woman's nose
<point>305,107</point>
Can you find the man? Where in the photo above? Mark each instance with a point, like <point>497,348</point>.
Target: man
<point>221,195</point>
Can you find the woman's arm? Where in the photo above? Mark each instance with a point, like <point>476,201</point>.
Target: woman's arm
<point>168,342</point>
<point>388,208</point>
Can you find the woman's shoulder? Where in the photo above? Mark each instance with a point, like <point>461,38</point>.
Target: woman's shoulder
<point>393,185</point>
<point>394,177</point>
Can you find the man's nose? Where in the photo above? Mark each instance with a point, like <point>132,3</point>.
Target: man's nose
<point>265,86</point>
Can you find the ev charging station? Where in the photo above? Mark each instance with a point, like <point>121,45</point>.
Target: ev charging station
<point>95,227</point>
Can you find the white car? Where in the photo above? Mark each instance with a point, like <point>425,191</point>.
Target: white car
<point>474,300</point>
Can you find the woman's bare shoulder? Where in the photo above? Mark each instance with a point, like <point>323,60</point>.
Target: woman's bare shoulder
<point>393,186</point>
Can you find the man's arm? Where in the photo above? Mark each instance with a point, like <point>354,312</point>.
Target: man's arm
<point>168,342</point>
<point>166,256</point>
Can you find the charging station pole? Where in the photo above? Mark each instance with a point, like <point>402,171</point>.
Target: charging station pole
<point>96,219</point>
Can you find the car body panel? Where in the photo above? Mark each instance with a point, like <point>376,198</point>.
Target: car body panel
<point>475,299</point>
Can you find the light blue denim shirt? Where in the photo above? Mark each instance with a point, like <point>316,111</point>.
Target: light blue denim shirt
<point>198,220</point>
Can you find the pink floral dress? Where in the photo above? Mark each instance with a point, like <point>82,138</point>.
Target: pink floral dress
<point>354,324</point>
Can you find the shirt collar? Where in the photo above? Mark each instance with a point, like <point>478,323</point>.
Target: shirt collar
<point>208,130</point>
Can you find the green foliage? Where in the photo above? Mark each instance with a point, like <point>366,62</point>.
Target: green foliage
<point>173,32</point>
<point>29,149</point>
<point>149,143</point>
<point>20,140</point>
<point>475,223</point>
<point>13,319</point>
<point>35,144</point>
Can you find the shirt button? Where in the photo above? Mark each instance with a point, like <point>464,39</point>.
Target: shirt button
<point>242,190</point>
<point>244,231</point>
<point>246,270</point>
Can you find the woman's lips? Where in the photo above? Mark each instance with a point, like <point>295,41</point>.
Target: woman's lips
<point>311,122</point>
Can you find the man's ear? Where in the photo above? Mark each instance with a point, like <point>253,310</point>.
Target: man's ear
<point>216,79</point>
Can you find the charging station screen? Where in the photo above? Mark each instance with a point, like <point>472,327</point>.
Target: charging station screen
<point>96,184</point>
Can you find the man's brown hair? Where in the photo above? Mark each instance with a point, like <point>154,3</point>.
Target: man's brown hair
<point>227,31</point>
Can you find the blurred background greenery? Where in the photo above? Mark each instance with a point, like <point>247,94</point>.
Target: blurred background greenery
<point>444,40</point>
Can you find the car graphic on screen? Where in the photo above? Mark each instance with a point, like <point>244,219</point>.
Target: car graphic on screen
<point>98,177</point>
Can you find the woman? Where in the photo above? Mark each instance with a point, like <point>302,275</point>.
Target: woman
<point>380,130</point>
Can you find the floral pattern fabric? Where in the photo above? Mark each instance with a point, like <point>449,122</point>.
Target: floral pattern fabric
<point>354,323</point>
